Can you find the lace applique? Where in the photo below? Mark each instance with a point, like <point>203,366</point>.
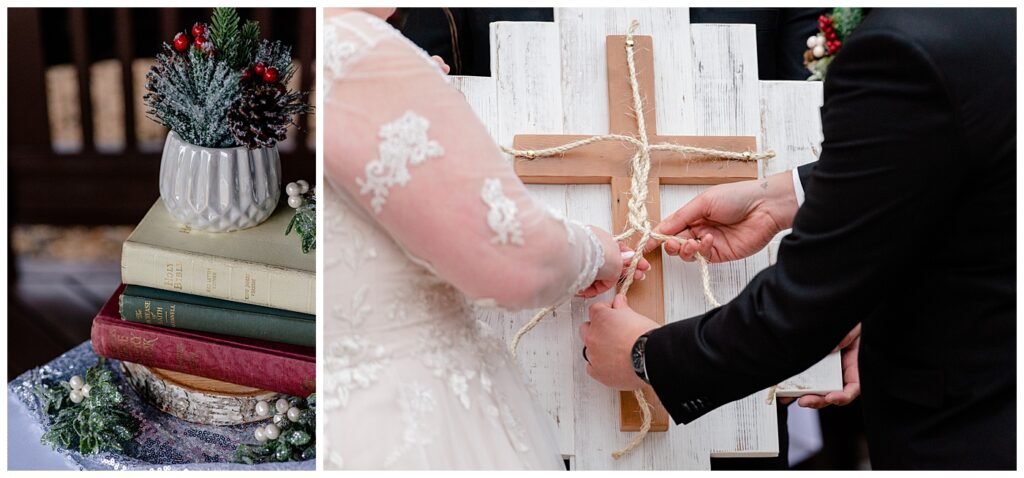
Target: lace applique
<point>334,459</point>
<point>416,403</point>
<point>592,263</point>
<point>355,315</point>
<point>445,349</point>
<point>511,426</point>
<point>351,363</point>
<point>558,216</point>
<point>404,142</point>
<point>502,215</point>
<point>339,229</point>
<point>484,305</point>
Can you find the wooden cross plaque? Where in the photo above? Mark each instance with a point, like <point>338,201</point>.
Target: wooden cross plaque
<point>609,163</point>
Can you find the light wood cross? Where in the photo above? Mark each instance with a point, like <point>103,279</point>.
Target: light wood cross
<point>609,163</point>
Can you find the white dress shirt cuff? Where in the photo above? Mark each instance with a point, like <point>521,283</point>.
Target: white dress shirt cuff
<point>798,188</point>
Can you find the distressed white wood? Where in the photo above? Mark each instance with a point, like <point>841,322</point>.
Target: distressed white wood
<point>525,69</point>
<point>481,94</point>
<point>525,65</point>
<point>551,78</point>
<point>791,126</point>
<point>584,69</point>
<point>726,102</point>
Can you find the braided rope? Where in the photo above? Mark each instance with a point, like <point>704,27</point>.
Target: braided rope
<point>637,220</point>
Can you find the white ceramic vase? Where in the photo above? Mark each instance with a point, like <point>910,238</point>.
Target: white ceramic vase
<point>219,189</point>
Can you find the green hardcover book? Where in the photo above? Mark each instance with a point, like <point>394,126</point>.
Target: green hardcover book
<point>203,314</point>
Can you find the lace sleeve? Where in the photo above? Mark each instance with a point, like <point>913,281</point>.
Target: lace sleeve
<point>408,149</point>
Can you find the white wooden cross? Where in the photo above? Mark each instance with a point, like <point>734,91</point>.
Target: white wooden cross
<point>551,78</point>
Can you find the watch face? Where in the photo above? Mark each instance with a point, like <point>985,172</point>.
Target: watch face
<point>638,364</point>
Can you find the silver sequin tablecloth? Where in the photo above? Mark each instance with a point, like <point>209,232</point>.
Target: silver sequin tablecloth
<point>163,442</point>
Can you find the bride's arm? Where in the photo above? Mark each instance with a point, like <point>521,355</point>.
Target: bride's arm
<point>406,146</point>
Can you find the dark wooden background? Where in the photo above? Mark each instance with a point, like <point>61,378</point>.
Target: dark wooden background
<point>90,187</point>
<point>51,302</point>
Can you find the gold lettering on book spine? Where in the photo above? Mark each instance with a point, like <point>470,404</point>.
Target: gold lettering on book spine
<point>211,280</point>
<point>173,275</point>
<point>250,287</point>
<point>131,347</point>
<point>147,312</point>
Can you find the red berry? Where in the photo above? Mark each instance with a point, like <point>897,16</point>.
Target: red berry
<point>199,42</point>
<point>246,74</point>
<point>270,75</point>
<point>180,42</point>
<point>199,30</point>
<point>259,69</point>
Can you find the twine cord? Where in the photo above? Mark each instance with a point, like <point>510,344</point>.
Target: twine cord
<point>637,220</point>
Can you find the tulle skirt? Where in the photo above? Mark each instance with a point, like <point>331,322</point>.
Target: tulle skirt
<point>446,400</point>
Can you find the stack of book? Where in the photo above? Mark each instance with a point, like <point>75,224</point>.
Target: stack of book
<point>237,307</point>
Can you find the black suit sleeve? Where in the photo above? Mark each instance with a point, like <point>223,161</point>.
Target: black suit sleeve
<point>873,200</point>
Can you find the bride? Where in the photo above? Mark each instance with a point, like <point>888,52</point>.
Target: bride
<point>426,220</point>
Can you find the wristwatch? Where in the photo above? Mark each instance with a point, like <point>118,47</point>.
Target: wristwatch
<point>639,360</point>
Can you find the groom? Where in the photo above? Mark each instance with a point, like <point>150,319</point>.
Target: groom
<point>906,225</point>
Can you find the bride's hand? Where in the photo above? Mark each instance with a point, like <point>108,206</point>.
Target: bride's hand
<point>616,263</point>
<point>440,63</point>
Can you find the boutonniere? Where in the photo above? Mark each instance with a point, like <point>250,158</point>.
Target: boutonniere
<point>833,30</point>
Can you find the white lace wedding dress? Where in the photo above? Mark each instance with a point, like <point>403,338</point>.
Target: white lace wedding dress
<point>425,219</point>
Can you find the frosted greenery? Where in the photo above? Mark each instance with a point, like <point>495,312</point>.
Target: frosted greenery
<point>278,55</point>
<point>190,94</point>
<point>98,423</point>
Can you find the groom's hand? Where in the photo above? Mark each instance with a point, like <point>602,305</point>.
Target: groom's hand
<point>609,337</point>
<point>730,221</point>
<point>850,349</point>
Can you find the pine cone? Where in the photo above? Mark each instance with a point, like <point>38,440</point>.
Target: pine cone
<point>260,117</point>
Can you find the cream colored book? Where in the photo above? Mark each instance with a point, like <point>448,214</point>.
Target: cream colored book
<point>259,265</point>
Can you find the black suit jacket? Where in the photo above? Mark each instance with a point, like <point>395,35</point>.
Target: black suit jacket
<point>909,227</point>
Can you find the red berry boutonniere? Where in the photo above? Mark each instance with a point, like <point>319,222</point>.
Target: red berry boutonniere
<point>833,29</point>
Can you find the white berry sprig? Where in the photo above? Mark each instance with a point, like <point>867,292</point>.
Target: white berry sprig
<point>302,198</point>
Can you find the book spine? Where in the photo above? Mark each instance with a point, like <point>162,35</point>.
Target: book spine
<point>269,327</point>
<point>163,348</point>
<point>217,277</point>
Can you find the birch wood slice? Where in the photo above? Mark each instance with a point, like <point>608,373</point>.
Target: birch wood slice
<point>197,399</point>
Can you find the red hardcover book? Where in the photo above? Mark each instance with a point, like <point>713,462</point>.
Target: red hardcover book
<point>270,366</point>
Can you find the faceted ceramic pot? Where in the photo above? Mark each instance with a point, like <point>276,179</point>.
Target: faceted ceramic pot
<point>219,189</point>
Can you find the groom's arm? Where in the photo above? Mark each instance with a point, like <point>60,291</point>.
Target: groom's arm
<point>872,203</point>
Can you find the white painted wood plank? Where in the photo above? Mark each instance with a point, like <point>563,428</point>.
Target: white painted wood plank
<point>720,95</point>
<point>791,126</point>
<point>585,109</point>
<point>726,102</point>
<point>481,94</point>
<point>584,70</point>
<point>525,64</point>
<point>527,99</point>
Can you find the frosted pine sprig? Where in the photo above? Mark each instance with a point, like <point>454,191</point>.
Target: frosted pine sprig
<point>278,55</point>
<point>190,94</point>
